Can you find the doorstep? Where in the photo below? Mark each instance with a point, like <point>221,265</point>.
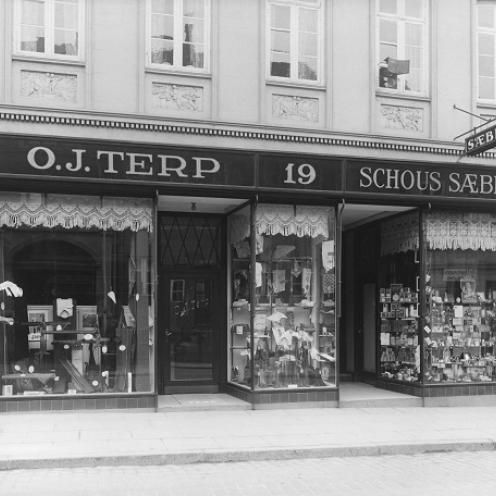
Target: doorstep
<point>198,402</point>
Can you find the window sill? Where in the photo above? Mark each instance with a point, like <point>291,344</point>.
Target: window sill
<point>486,104</point>
<point>296,84</point>
<point>178,72</point>
<point>380,92</point>
<point>48,60</point>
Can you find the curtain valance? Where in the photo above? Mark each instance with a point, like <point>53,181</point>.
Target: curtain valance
<point>289,219</point>
<point>461,231</point>
<point>400,234</point>
<point>72,211</point>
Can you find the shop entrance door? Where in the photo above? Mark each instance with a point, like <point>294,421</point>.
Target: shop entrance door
<point>191,302</point>
<point>190,314</point>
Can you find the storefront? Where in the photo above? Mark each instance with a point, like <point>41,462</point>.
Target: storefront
<point>217,270</point>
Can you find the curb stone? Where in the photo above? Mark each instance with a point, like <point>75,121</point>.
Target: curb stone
<point>225,456</point>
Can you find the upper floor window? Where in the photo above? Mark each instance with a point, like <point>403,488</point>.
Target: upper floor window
<point>179,32</point>
<point>52,28</point>
<point>402,40</point>
<point>486,50</point>
<point>295,39</point>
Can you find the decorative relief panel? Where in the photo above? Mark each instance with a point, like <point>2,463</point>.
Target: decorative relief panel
<point>177,97</point>
<point>297,108</point>
<point>49,87</point>
<point>402,118</point>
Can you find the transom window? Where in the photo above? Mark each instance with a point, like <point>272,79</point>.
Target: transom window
<point>402,45</point>
<point>295,39</point>
<point>52,28</point>
<point>486,50</point>
<point>179,33</point>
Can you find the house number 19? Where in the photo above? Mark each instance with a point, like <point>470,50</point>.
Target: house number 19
<point>303,174</point>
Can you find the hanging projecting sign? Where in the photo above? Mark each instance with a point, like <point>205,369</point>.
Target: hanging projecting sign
<point>481,141</point>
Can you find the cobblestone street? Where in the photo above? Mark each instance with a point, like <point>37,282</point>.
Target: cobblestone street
<point>441,473</point>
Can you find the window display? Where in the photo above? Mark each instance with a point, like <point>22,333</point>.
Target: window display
<point>291,315</point>
<point>460,322</point>
<point>399,350</point>
<point>76,306</point>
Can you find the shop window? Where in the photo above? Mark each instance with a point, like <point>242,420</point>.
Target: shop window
<point>486,50</point>
<point>295,40</point>
<point>76,306</point>
<point>402,45</point>
<point>283,323</point>
<point>399,349</point>
<point>178,33</point>
<point>460,330</point>
<point>50,28</point>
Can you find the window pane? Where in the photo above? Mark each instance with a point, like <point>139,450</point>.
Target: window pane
<point>388,6</point>
<point>280,17</point>
<point>66,42</point>
<point>163,6</point>
<point>413,34</point>
<point>413,8</point>
<point>412,80</point>
<point>193,31</point>
<point>33,12</point>
<point>279,65</point>
<point>485,15</point>
<point>386,51</point>
<point>388,31</point>
<point>162,51</point>
<point>192,55</point>
<point>163,27</point>
<point>486,88</point>
<point>66,16</point>
<point>307,69</point>
<point>33,39</point>
<point>194,8</point>
<point>486,66</point>
<point>309,20</point>
<point>486,44</point>
<point>308,45</point>
<point>280,41</point>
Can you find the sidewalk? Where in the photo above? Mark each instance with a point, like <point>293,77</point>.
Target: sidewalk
<point>90,438</point>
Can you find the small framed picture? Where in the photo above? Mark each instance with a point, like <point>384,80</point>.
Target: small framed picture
<point>40,314</point>
<point>87,318</point>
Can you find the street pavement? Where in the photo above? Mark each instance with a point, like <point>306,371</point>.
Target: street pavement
<point>98,438</point>
<point>468,473</point>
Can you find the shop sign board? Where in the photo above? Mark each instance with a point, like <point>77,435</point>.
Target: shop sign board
<point>162,165</point>
<point>300,172</point>
<point>417,179</point>
<point>481,141</point>
<point>116,162</point>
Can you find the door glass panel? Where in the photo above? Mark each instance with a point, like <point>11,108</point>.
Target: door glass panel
<point>191,330</point>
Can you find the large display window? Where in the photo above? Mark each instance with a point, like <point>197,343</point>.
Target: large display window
<point>283,315</point>
<point>460,327</point>
<point>76,306</point>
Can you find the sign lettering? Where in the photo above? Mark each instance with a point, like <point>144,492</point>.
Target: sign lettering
<point>481,141</point>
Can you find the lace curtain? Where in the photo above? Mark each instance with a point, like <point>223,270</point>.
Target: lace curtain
<point>290,219</point>
<point>72,211</point>
<point>461,231</point>
<point>400,234</point>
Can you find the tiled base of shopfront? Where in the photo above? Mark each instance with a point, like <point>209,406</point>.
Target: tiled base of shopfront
<point>351,395</point>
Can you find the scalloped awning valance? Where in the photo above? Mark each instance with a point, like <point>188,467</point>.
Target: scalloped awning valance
<point>461,231</point>
<point>71,211</point>
<point>400,234</point>
<point>289,219</point>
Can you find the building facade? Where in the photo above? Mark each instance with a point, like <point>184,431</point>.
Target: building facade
<point>261,197</point>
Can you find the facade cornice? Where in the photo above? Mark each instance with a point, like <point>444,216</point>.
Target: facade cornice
<point>243,131</point>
